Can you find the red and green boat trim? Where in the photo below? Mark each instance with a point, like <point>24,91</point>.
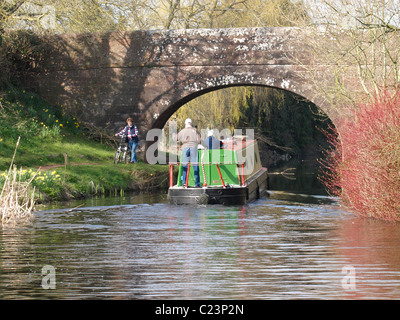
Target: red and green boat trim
<point>232,175</point>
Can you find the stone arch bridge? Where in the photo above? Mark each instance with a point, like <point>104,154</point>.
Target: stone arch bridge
<point>104,78</point>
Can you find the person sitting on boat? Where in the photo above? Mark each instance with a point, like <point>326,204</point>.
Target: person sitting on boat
<point>211,142</point>
<point>190,139</point>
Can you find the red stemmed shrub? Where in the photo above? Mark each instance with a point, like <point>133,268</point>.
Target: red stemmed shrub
<point>363,166</point>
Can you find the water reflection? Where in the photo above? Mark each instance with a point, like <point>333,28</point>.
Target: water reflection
<point>287,246</point>
<point>372,247</point>
<point>297,176</point>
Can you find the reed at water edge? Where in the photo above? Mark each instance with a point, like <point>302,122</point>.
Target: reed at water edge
<point>16,197</point>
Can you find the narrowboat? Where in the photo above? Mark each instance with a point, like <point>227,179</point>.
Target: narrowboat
<point>231,175</point>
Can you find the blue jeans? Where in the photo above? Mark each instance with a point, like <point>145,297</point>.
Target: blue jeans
<point>133,145</point>
<point>191,154</point>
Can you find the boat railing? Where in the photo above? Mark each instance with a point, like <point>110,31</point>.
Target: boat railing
<point>239,167</point>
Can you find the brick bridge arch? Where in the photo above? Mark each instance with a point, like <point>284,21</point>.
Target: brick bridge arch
<point>104,78</point>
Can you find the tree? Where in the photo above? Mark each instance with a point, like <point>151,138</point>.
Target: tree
<point>125,15</point>
<point>61,16</point>
<point>358,42</point>
<point>7,10</point>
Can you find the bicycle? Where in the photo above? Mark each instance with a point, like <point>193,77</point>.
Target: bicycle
<point>123,153</point>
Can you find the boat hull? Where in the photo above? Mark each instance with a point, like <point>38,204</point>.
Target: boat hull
<point>230,195</point>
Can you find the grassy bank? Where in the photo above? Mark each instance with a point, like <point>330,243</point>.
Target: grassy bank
<point>69,160</point>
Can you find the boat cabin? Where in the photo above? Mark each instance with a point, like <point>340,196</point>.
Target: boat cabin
<point>236,162</point>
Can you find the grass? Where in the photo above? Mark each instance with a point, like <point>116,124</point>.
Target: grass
<point>71,164</point>
<point>37,152</point>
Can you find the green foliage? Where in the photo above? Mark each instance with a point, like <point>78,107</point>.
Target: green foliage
<point>25,114</point>
<point>97,179</point>
<point>107,178</point>
<point>285,118</point>
<point>49,183</point>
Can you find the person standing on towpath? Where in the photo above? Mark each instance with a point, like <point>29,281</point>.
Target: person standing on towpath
<point>132,138</point>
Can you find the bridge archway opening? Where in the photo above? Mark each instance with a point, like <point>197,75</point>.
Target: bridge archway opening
<point>298,121</point>
<point>175,106</point>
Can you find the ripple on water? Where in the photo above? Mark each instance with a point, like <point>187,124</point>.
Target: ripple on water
<point>285,246</point>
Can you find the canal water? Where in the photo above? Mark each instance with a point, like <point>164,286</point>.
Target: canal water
<point>294,244</point>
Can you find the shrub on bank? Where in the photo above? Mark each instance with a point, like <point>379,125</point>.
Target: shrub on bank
<point>363,167</point>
